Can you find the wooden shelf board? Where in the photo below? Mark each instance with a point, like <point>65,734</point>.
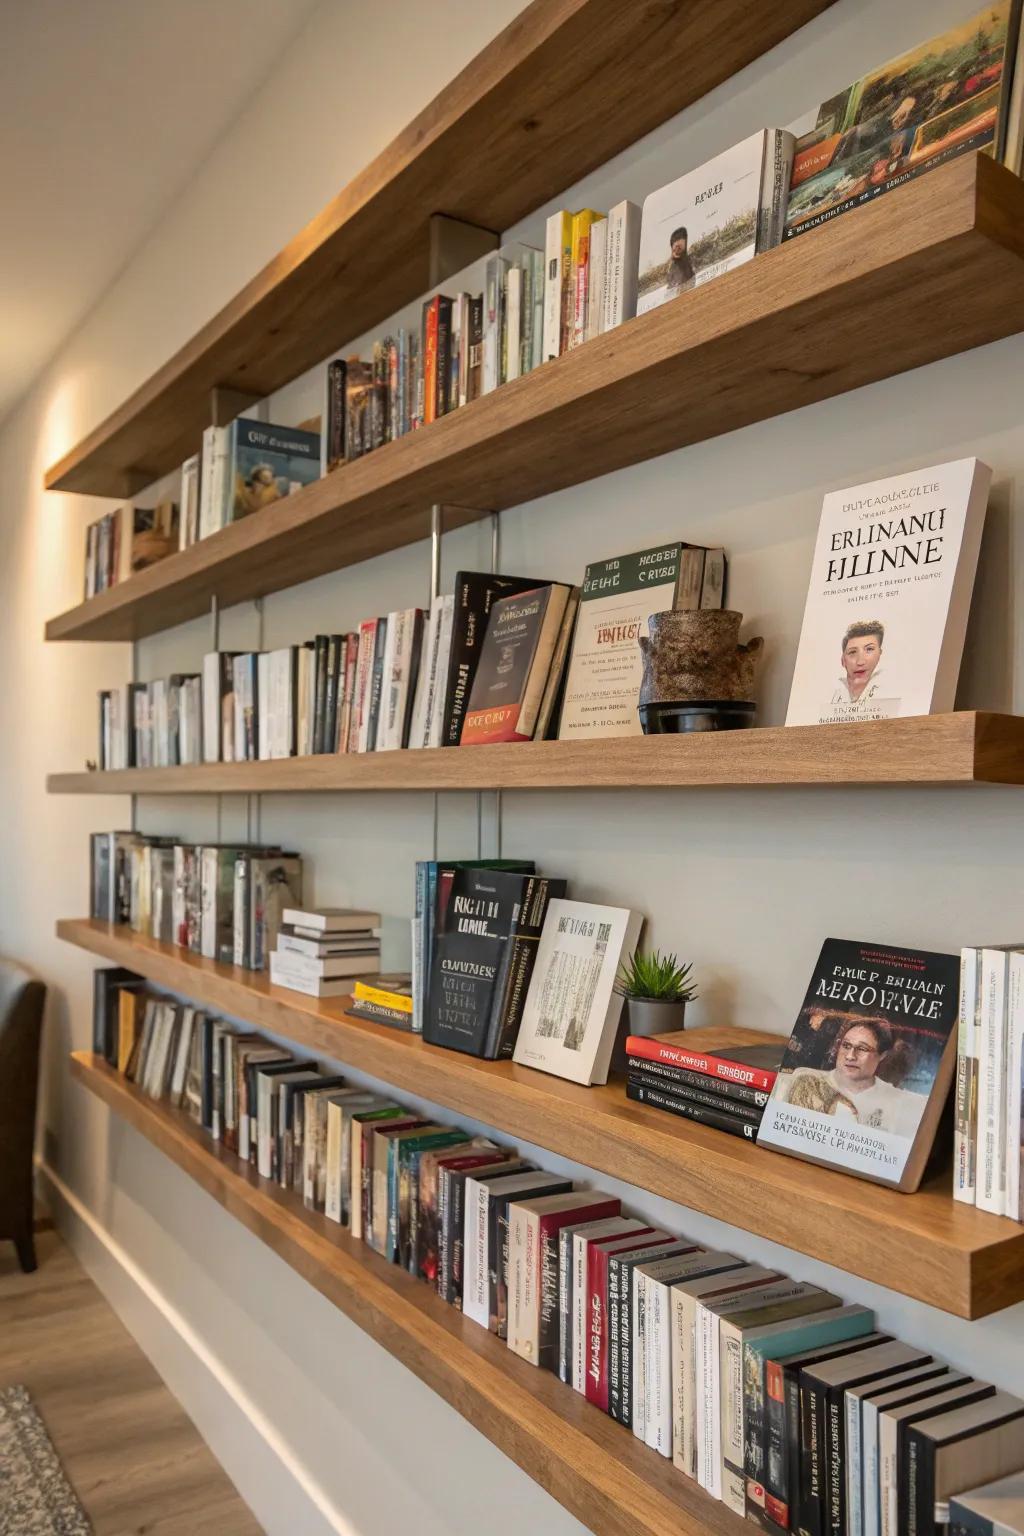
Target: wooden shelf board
<point>927,1246</point>
<point>564,88</point>
<point>591,1465</point>
<point>964,748</point>
<point>844,305</point>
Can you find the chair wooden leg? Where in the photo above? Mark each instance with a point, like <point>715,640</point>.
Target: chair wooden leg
<point>26,1250</point>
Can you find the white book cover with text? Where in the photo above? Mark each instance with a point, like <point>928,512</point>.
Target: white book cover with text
<point>889,595</point>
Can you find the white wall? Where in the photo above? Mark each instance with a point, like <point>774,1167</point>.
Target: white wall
<point>745,883</point>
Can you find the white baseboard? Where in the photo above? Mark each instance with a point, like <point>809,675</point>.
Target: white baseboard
<point>284,1497</point>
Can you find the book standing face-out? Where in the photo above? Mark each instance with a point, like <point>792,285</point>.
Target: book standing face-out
<point>868,1067</point>
<point>889,595</point>
<point>617,599</point>
<point>572,1010</point>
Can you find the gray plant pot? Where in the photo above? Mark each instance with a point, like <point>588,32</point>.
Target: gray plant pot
<point>648,1016</point>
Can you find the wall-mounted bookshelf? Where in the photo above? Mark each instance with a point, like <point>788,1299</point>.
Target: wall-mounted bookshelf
<point>591,1465</point>
<point>963,748</point>
<point>567,85</point>
<point>927,1246</point>
<point>848,304</point>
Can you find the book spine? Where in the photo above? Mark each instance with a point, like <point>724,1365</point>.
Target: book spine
<point>965,1139</point>
<point>597,1329</point>
<point>549,1300</point>
<point>580,1332</point>
<point>702,1096</point>
<point>678,1080</point>
<point>443,403</point>
<point>836,1491</point>
<point>811,1463</point>
<point>991,1185</point>
<point>690,1111</point>
<point>376,685</point>
<point>565,1305</point>
<point>430,360</point>
<point>1014,1085</point>
<point>852,1470</point>
<point>706,1065</point>
<point>616,1361</point>
<point>335,435</point>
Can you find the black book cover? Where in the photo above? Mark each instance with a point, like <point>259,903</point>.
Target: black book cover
<point>452,1236</point>
<point>476,347</point>
<point>676,1079</point>
<point>336,371</point>
<point>465,972</point>
<point>444,355</point>
<point>335,644</point>
<point>107,984</point>
<point>319,691</point>
<point>513,981</point>
<point>916,1492</point>
<point>639,1071</point>
<point>206,1081</point>
<point>376,682</point>
<point>722,1120</point>
<point>475,591</point>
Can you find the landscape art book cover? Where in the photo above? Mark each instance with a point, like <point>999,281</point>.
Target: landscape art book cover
<point>947,97</point>
<point>868,1067</point>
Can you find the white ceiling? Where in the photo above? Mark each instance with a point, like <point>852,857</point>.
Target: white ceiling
<point>106,108</point>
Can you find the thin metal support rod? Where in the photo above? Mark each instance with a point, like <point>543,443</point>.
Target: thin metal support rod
<point>214,623</point>
<point>436,535</point>
<point>437,815</point>
<point>135,678</point>
<point>495,563</point>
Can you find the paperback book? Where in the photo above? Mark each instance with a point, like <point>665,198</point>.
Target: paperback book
<point>889,596</point>
<point>868,1068</point>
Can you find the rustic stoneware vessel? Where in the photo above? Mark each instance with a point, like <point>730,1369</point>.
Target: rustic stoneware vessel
<point>697,674</point>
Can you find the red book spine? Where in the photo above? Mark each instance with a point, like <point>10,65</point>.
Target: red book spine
<point>433,310</point>
<point>597,1327</point>
<point>696,1061</point>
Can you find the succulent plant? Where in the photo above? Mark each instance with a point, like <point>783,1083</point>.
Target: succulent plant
<point>656,976</point>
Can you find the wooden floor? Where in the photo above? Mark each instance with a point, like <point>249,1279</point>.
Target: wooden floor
<point>132,1455</point>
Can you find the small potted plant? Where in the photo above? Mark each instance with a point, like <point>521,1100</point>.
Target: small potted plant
<point>656,989</point>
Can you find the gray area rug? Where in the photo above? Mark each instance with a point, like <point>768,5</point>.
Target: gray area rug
<point>36,1498</point>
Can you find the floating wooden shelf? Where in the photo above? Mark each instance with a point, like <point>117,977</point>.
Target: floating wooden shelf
<point>924,272</point>
<point>965,748</point>
<point>586,1461</point>
<point>925,1245</point>
<point>567,85</point>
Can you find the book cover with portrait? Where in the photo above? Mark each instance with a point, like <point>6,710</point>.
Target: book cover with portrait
<point>869,1064</point>
<point>714,218</point>
<point>889,596</point>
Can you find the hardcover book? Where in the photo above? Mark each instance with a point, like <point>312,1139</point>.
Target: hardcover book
<point>617,599</point>
<point>268,463</point>
<point>471,959</point>
<point>515,660</point>
<point>869,1064</point>
<point>889,596</point>
<point>714,218</point>
<point>475,591</point>
<point>947,97</point>
<point>572,1010</point>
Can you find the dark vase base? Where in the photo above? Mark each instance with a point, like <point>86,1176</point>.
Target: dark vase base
<point>707,715</point>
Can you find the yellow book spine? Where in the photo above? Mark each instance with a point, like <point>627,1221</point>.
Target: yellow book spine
<point>365,993</point>
<point>579,267</point>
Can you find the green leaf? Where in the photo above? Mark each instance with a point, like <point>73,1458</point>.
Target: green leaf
<point>656,976</point>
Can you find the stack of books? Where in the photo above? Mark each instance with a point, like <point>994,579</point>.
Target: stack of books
<point>320,949</point>
<point>728,1090</point>
<point>384,1000</point>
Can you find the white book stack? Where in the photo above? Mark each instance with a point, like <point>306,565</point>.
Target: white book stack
<point>321,950</point>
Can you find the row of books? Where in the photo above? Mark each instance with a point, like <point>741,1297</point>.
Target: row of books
<point>506,965</point>
<point>788,1406</point>
<point>223,901</point>
<point>958,93</point>
<point>989,1134</point>
<point>126,541</point>
<point>488,663</point>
